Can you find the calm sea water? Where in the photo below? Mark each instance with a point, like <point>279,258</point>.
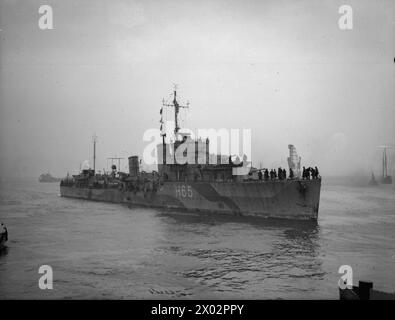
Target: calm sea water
<point>109,251</point>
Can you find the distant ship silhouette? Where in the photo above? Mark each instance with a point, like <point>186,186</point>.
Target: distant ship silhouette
<point>373,181</point>
<point>47,177</point>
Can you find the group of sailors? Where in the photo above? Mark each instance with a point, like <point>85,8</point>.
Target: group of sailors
<point>310,173</point>
<point>281,174</point>
<point>273,174</point>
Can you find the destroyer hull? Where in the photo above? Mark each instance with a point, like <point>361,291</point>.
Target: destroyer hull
<point>294,199</point>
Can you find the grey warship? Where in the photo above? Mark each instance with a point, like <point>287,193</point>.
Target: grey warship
<point>47,177</point>
<point>200,185</point>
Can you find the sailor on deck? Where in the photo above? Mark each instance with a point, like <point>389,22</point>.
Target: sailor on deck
<point>266,175</point>
<point>317,173</point>
<point>291,173</point>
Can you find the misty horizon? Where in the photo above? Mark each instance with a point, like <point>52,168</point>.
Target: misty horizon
<point>284,70</point>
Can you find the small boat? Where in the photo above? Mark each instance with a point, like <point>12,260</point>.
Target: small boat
<point>3,235</point>
<point>364,292</point>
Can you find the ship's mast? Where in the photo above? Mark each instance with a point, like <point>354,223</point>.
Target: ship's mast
<point>385,160</point>
<point>176,107</point>
<point>94,140</point>
<point>163,134</point>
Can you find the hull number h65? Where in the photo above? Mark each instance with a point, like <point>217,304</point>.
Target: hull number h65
<point>184,191</point>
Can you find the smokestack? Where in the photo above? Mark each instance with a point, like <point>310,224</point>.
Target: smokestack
<point>134,168</point>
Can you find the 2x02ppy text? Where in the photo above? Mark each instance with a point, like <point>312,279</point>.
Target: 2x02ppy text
<point>199,309</point>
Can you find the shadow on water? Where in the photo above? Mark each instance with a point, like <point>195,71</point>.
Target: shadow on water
<point>292,227</point>
<point>291,232</point>
<point>247,252</point>
<point>3,250</point>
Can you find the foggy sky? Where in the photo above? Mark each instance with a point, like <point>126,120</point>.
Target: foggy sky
<point>280,68</point>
